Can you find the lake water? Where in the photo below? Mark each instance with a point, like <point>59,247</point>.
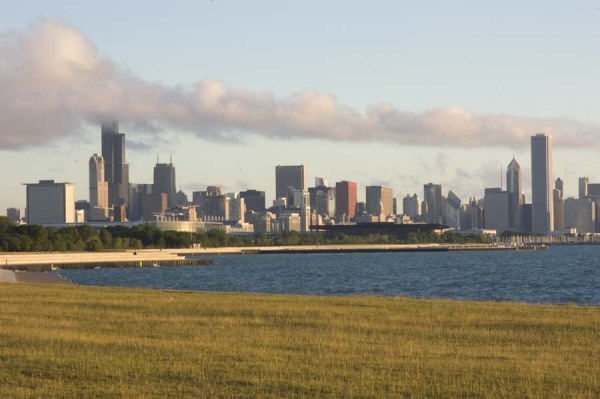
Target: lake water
<point>562,274</point>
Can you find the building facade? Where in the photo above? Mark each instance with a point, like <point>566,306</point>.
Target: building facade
<point>49,202</point>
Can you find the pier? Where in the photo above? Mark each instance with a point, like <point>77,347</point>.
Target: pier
<point>44,262</point>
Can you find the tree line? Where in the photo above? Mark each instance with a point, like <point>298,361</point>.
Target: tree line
<point>36,238</point>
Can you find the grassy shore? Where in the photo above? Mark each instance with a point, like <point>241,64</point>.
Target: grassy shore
<point>69,341</point>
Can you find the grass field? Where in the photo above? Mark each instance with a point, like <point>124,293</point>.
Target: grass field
<point>69,341</point>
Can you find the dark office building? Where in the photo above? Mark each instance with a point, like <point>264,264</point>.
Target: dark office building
<point>433,199</point>
<point>164,182</point>
<point>211,204</point>
<point>254,200</point>
<point>116,170</point>
<point>288,179</point>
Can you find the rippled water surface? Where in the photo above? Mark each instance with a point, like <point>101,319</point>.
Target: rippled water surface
<point>569,274</point>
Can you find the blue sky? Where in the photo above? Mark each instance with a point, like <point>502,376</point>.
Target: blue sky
<point>535,64</point>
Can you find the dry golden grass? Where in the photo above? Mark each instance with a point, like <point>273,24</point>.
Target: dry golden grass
<point>67,341</point>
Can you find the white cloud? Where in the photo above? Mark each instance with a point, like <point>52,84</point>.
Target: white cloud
<point>54,80</point>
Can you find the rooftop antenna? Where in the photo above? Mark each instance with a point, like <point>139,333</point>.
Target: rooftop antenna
<point>171,159</point>
<point>501,181</point>
<point>157,159</point>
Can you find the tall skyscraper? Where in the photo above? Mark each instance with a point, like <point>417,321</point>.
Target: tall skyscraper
<point>98,189</point>
<point>164,181</point>
<point>380,200</point>
<point>50,203</point>
<point>116,170</point>
<point>433,200</point>
<point>345,201</point>
<point>288,179</point>
<point>542,207</point>
<point>514,187</point>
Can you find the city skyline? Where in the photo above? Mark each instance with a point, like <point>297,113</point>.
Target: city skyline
<point>383,103</point>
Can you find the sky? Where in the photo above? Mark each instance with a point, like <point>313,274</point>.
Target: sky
<point>390,93</point>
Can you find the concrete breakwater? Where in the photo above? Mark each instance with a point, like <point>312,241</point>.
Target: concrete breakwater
<point>306,249</point>
<point>42,262</point>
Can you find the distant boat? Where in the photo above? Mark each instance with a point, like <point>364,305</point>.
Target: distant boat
<point>155,265</point>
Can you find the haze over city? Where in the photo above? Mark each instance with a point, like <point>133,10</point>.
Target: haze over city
<point>384,93</point>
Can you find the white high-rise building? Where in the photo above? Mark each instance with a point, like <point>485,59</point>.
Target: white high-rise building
<point>542,204</point>
<point>98,188</point>
<point>50,203</point>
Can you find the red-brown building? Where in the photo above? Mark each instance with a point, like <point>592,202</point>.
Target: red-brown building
<point>345,201</point>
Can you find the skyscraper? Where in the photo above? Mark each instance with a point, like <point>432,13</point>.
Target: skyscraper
<point>411,206</point>
<point>116,170</point>
<point>452,207</point>
<point>514,187</point>
<point>288,179</point>
<point>433,200</point>
<point>98,189</point>
<point>345,201</point>
<point>164,181</point>
<point>380,200</point>
<point>542,207</point>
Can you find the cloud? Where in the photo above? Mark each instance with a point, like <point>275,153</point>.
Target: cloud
<point>54,82</point>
